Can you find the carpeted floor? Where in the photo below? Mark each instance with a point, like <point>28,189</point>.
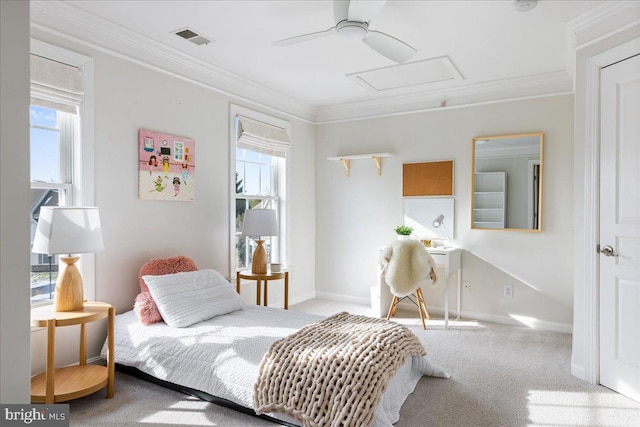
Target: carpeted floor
<point>500,376</point>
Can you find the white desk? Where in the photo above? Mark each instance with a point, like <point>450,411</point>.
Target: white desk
<point>450,259</point>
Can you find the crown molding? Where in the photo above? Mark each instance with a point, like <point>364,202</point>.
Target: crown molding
<point>68,21</point>
<point>555,83</point>
<point>604,20</point>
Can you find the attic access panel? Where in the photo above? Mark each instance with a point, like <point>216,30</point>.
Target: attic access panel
<point>411,74</point>
<point>427,178</point>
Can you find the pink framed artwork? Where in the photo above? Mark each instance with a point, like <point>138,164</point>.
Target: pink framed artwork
<point>166,167</point>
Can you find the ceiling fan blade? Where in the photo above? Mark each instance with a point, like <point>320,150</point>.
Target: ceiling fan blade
<point>340,10</point>
<point>364,10</point>
<point>389,46</point>
<point>304,37</point>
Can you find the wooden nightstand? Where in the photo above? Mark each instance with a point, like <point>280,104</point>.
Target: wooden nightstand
<point>62,384</point>
<point>247,274</point>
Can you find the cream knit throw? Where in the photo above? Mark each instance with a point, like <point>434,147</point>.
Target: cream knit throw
<point>333,372</point>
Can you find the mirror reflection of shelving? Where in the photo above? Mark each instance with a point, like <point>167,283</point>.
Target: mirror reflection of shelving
<point>490,200</point>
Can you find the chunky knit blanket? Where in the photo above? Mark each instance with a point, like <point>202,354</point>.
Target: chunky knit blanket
<point>332,373</point>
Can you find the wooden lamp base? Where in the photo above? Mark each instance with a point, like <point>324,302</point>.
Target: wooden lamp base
<point>259,262</point>
<point>69,291</point>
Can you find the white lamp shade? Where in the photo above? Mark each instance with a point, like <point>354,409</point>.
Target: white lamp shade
<point>68,230</point>
<point>438,221</point>
<point>260,222</point>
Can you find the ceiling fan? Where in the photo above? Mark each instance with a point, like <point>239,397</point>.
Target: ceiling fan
<point>352,22</point>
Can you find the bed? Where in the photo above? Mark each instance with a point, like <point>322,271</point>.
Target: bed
<point>219,359</point>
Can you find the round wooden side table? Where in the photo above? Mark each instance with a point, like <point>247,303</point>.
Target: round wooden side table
<point>71,382</point>
<point>265,277</point>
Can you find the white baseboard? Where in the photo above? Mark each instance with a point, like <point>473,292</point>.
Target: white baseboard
<point>94,360</point>
<point>578,372</point>
<point>302,298</point>
<point>508,320</point>
<point>495,318</point>
<point>278,301</point>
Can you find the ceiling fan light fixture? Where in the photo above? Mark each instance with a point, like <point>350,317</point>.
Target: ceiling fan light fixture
<point>353,19</point>
<point>351,30</point>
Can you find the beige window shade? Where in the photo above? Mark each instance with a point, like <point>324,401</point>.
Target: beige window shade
<point>262,137</point>
<point>55,85</point>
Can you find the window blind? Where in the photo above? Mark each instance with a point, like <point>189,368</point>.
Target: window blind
<point>55,85</point>
<point>262,137</point>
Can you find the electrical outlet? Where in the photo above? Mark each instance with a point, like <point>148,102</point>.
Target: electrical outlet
<point>466,285</point>
<point>508,291</point>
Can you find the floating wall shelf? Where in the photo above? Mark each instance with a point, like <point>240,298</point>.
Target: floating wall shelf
<point>346,160</point>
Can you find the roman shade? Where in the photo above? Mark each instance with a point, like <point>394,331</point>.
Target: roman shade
<point>55,85</point>
<point>262,137</point>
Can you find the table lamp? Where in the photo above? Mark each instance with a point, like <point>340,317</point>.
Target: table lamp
<point>437,223</point>
<point>257,223</point>
<point>68,230</point>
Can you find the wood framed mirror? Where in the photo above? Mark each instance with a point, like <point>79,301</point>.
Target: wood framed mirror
<point>506,182</point>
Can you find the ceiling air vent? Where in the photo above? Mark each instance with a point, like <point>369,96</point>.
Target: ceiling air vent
<point>192,36</point>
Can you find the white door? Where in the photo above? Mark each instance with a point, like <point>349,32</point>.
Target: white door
<point>620,227</point>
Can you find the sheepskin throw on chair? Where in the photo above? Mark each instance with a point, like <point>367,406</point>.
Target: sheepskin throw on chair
<point>406,264</point>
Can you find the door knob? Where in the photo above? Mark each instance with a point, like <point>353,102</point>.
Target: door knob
<point>607,250</point>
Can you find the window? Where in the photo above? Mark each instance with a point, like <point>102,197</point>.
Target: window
<point>256,188</point>
<point>259,144</point>
<point>51,140</point>
<point>61,139</point>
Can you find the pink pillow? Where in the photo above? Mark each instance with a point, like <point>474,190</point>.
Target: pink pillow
<point>144,306</point>
<point>146,309</point>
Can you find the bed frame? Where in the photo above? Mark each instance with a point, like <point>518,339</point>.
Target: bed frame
<point>135,372</point>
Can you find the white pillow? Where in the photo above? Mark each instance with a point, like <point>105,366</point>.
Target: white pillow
<point>190,297</point>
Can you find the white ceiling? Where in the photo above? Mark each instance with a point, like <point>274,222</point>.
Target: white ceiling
<point>491,45</point>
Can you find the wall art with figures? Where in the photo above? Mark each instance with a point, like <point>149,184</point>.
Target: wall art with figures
<point>166,167</point>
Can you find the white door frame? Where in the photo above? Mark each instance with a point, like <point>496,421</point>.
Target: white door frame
<point>591,299</point>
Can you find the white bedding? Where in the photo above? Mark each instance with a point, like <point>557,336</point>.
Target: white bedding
<point>221,356</point>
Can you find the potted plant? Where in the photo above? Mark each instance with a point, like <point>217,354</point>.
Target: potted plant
<point>403,231</point>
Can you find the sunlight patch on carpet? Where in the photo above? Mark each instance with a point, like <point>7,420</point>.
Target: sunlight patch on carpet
<point>190,412</point>
<point>410,318</point>
<point>561,408</point>
<point>531,322</point>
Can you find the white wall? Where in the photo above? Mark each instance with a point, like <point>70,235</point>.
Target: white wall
<point>128,97</point>
<point>14,202</point>
<point>356,215</point>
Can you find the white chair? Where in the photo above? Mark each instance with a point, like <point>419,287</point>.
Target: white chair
<point>406,265</point>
